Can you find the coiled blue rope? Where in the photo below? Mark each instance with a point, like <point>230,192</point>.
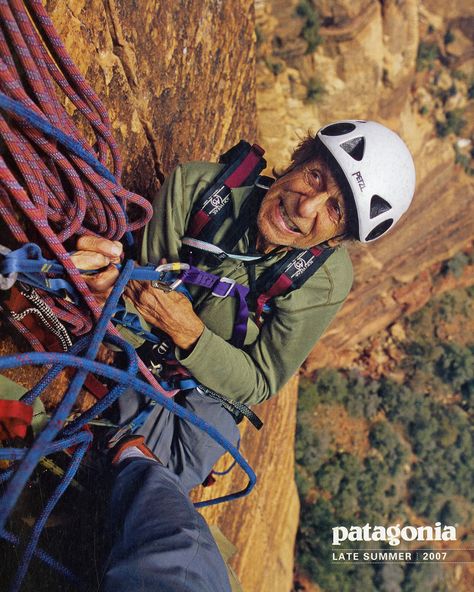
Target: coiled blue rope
<point>45,558</point>
<point>229,468</point>
<point>68,360</point>
<point>53,132</point>
<point>36,452</point>
<point>81,441</point>
<point>41,444</point>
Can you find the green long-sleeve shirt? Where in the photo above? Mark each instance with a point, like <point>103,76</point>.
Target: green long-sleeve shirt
<point>270,356</point>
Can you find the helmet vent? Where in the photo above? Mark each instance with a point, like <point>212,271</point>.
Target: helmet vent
<point>355,147</point>
<point>338,129</point>
<point>378,206</point>
<point>379,230</point>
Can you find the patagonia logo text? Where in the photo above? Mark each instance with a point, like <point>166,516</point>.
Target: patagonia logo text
<point>393,534</point>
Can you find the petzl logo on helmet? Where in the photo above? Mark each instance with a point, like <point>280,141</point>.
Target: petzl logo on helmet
<point>359,179</point>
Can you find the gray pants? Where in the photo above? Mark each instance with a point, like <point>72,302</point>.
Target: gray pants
<point>159,541</point>
<point>182,447</point>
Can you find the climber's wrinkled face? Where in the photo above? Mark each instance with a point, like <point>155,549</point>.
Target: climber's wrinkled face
<point>303,208</point>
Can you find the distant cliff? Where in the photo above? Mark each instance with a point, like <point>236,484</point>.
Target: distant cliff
<point>409,65</point>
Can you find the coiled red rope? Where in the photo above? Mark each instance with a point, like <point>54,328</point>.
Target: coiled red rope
<point>44,188</point>
<point>48,193</point>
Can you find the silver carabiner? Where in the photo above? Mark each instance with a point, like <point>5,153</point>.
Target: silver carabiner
<point>7,281</point>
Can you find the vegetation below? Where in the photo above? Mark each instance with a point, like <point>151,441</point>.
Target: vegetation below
<point>310,31</point>
<point>417,464</point>
<point>446,93</point>
<point>315,90</point>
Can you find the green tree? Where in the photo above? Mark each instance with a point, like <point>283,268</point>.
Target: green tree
<point>427,54</point>
<point>387,442</point>
<point>454,123</point>
<point>330,387</point>
<point>310,32</point>
<point>329,477</point>
<point>455,365</point>
<point>425,577</point>
<point>315,90</point>
<point>450,513</point>
<point>311,448</point>
<point>364,399</point>
<point>467,393</point>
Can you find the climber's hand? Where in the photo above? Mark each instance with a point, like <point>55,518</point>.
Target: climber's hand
<point>171,312</point>
<point>98,253</point>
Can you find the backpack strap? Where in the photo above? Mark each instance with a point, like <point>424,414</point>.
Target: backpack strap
<point>288,274</point>
<point>243,165</point>
<point>197,250</point>
<point>248,213</point>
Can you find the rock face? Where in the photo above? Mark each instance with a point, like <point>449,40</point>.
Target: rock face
<point>178,80</point>
<point>368,66</point>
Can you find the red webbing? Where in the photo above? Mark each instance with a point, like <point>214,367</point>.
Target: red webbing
<point>199,220</point>
<point>246,167</point>
<point>15,417</point>
<point>282,285</point>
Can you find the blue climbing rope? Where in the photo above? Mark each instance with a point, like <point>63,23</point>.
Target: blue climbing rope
<point>116,375</point>
<point>51,131</point>
<point>227,470</point>
<point>57,436</point>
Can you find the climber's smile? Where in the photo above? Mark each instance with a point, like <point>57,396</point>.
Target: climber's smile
<point>303,208</point>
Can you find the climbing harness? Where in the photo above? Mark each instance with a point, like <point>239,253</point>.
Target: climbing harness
<point>55,186</point>
<point>238,410</point>
<point>242,166</point>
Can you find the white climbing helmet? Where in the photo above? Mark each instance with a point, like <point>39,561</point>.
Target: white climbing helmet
<point>377,169</point>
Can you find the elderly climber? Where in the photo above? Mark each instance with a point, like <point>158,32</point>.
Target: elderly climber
<point>285,248</point>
